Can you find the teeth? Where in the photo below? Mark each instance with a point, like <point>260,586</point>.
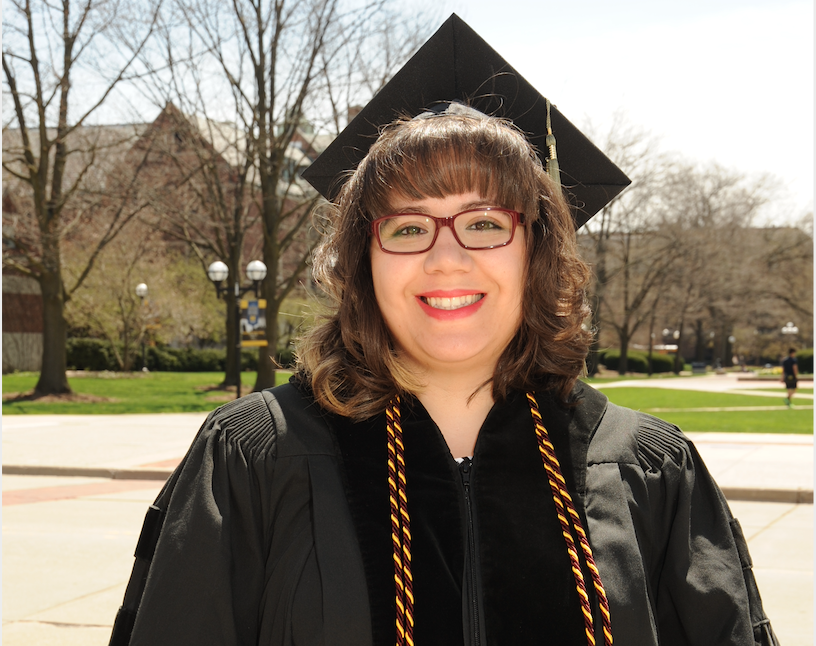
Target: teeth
<point>452,303</point>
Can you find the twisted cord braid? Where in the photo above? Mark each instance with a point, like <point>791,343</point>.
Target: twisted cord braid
<point>566,510</point>
<point>400,526</point>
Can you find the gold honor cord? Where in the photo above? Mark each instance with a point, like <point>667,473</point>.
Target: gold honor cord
<point>400,526</point>
<point>566,510</point>
<point>401,529</point>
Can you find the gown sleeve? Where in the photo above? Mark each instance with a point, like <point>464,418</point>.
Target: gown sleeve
<point>671,554</point>
<point>706,590</point>
<point>201,566</point>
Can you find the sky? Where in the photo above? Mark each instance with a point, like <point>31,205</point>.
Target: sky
<point>725,81</point>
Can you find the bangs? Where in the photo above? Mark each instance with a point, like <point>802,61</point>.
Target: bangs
<point>440,156</point>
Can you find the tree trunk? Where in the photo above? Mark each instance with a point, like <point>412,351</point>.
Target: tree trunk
<point>699,345</point>
<point>592,360</point>
<point>52,379</point>
<point>623,360</point>
<point>678,355</point>
<point>266,365</point>
<point>231,375</point>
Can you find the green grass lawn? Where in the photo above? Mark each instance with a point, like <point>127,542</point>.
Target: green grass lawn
<point>773,421</point>
<point>155,392</point>
<point>785,421</point>
<point>646,398</point>
<point>175,392</point>
<point>781,390</point>
<point>610,375</point>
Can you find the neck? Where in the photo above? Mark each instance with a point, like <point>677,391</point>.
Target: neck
<point>447,398</point>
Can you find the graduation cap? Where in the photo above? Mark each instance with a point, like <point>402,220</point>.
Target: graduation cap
<point>456,64</point>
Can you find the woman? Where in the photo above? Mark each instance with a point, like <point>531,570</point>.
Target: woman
<point>435,473</point>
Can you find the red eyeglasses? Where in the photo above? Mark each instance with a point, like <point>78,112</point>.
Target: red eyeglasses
<point>475,229</point>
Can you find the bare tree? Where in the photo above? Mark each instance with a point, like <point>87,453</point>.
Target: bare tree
<point>707,212</point>
<point>200,193</point>
<point>284,74</point>
<point>624,242</point>
<point>47,49</point>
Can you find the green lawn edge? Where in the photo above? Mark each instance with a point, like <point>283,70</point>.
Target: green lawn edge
<point>169,392</point>
<point>132,393</point>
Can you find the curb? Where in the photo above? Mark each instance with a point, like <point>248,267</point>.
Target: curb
<point>748,494</point>
<point>87,472</point>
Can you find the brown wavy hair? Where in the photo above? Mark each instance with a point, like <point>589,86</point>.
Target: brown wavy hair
<point>349,358</point>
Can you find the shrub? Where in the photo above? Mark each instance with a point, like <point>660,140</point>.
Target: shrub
<point>90,354</point>
<point>805,360</point>
<point>286,357</point>
<point>662,362</point>
<point>637,361</point>
<point>96,354</point>
<point>249,359</point>
<point>162,359</point>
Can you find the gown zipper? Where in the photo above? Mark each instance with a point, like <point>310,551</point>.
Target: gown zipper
<point>465,470</point>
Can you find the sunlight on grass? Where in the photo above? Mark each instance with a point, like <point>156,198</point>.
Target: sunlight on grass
<point>174,392</point>
<point>781,390</point>
<point>155,392</point>
<point>782,420</point>
<point>645,398</point>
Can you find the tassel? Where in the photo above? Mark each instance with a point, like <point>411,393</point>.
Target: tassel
<point>552,158</point>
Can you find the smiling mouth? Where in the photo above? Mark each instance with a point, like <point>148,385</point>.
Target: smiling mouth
<point>454,303</point>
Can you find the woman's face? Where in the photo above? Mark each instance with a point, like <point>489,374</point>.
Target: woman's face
<point>449,308</point>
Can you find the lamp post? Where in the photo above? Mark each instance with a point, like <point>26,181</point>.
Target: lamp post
<point>218,272</point>
<point>141,292</point>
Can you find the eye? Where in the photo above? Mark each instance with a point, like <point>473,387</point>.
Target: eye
<point>408,230</point>
<point>487,221</point>
<point>484,225</point>
<point>405,226</point>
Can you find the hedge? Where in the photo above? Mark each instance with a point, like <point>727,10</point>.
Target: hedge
<point>90,354</point>
<point>804,359</point>
<point>97,355</point>
<point>637,361</point>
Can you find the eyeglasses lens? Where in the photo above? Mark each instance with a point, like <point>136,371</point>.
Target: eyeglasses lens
<point>478,229</point>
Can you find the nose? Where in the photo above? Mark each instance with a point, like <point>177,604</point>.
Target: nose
<point>447,254</point>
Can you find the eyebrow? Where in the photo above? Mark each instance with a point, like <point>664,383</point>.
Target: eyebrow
<point>467,206</point>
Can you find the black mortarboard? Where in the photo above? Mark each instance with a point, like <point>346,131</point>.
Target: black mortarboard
<point>456,64</point>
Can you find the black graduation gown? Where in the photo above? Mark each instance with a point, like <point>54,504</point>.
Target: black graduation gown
<point>275,530</point>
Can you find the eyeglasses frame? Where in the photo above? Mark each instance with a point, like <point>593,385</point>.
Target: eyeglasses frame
<point>516,217</point>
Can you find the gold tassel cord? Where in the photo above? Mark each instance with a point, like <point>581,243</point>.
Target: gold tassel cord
<point>563,503</point>
<point>552,158</point>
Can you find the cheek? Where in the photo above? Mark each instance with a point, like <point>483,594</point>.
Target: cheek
<point>386,276</point>
<point>378,274</point>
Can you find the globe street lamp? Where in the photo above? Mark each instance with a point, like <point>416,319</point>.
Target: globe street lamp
<point>790,328</point>
<point>218,272</point>
<point>141,292</point>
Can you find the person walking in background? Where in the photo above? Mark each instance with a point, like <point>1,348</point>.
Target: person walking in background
<point>790,374</point>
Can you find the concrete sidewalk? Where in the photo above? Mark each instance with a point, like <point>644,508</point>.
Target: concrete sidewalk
<point>728,382</point>
<point>774,468</point>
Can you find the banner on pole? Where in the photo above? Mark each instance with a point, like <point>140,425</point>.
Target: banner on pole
<point>253,323</point>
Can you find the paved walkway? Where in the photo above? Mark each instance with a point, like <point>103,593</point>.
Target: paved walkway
<point>75,489</point>
<point>730,382</point>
